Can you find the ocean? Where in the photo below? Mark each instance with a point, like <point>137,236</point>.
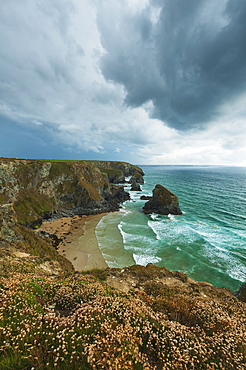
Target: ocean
<point>207,242</point>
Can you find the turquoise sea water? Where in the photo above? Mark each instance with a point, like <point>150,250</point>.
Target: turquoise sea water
<point>207,242</point>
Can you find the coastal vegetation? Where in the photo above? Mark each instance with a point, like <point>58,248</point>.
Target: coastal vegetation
<point>140,318</point>
<point>158,320</point>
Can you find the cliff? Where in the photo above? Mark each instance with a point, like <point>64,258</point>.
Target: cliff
<point>41,189</point>
<point>33,190</point>
<point>117,171</point>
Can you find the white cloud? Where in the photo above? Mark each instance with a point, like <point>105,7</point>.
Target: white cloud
<point>219,144</point>
<point>51,80</point>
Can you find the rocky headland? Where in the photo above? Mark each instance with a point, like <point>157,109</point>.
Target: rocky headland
<point>42,189</point>
<point>34,191</point>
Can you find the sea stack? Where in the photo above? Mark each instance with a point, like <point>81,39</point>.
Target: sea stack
<point>162,202</point>
<point>136,187</point>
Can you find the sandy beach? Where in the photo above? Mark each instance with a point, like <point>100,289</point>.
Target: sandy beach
<point>79,243</point>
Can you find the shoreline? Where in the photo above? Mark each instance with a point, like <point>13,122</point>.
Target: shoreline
<point>79,243</point>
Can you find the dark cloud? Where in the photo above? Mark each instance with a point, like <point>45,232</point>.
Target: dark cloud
<point>88,78</point>
<point>188,61</point>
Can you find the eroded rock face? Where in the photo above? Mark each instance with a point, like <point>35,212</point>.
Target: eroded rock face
<point>7,222</point>
<point>162,202</point>
<point>126,168</point>
<point>136,178</point>
<point>241,294</point>
<point>42,189</point>
<point>135,187</point>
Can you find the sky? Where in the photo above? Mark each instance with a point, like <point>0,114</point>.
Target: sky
<point>143,81</point>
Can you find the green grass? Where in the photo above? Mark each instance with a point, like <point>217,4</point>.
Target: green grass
<point>32,206</point>
<point>111,172</point>
<point>59,168</point>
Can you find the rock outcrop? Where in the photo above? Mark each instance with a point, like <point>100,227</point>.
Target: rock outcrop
<point>241,294</point>
<point>138,178</point>
<point>126,168</point>
<point>162,202</point>
<point>145,197</point>
<point>8,221</point>
<point>116,172</point>
<point>43,189</point>
<point>135,187</point>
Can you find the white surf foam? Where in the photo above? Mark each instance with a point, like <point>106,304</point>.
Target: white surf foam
<point>171,217</point>
<point>156,229</point>
<point>144,259</point>
<point>154,216</point>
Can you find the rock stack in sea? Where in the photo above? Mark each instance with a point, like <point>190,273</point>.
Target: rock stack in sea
<point>136,187</point>
<point>163,202</point>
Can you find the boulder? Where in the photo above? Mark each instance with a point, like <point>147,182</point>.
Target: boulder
<point>162,202</point>
<point>135,187</point>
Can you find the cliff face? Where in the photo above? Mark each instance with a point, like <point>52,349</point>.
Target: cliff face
<point>126,168</point>
<point>32,190</point>
<point>39,189</point>
<point>7,223</point>
<point>117,171</point>
<point>21,249</point>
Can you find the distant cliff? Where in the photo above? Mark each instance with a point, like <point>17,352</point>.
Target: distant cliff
<point>117,171</point>
<point>41,189</point>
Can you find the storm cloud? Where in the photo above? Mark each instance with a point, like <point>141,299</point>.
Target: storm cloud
<point>187,57</point>
<point>145,81</point>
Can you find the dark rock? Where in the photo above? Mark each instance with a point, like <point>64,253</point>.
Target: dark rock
<point>135,187</point>
<point>138,178</point>
<point>145,197</point>
<point>114,176</point>
<point>162,202</point>
<point>241,293</point>
<point>117,193</point>
<point>50,238</point>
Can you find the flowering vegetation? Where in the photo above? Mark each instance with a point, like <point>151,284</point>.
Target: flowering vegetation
<point>81,322</point>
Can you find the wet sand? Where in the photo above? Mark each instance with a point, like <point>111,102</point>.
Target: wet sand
<point>79,243</point>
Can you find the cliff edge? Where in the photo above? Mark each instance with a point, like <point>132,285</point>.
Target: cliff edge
<point>40,189</point>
